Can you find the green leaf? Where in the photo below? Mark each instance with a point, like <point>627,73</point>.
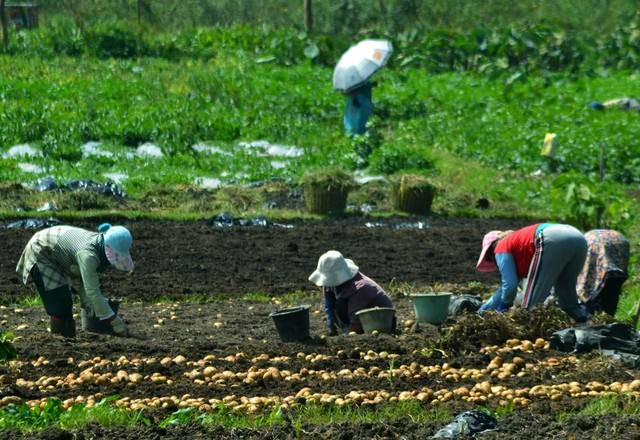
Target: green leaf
<point>311,51</point>
<point>265,59</point>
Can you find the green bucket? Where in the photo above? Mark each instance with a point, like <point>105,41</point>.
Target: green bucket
<point>431,307</point>
<point>377,318</point>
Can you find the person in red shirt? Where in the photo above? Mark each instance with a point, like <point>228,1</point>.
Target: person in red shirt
<point>548,255</point>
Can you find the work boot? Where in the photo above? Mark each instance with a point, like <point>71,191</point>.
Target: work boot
<point>63,327</point>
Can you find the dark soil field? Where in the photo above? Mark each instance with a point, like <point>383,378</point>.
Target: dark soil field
<point>187,354</point>
<point>175,259</point>
<point>239,336</point>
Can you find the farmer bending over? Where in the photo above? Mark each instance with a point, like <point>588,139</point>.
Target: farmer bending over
<point>57,256</point>
<point>548,255</point>
<point>346,291</point>
<point>604,271</point>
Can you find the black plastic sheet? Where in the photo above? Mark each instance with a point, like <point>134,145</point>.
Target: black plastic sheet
<point>34,223</point>
<point>616,336</point>
<point>46,184</point>
<point>467,423</point>
<point>464,304</point>
<point>109,188</point>
<point>226,220</point>
<point>402,225</point>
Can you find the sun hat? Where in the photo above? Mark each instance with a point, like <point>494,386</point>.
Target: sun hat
<point>483,264</point>
<point>333,270</point>
<point>117,242</point>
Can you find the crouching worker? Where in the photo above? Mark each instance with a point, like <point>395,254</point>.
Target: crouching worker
<point>548,255</point>
<point>346,291</point>
<point>604,271</point>
<point>56,257</point>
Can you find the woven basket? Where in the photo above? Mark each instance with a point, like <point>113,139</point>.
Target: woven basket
<point>413,194</point>
<point>321,199</point>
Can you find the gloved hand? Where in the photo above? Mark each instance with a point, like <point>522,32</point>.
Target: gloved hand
<point>119,326</point>
<point>495,303</point>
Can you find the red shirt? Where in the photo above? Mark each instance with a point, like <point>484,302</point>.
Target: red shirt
<point>521,245</point>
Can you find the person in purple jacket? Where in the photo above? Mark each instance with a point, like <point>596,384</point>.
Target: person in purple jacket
<point>346,291</point>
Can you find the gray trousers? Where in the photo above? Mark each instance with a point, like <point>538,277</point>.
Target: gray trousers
<point>560,252</point>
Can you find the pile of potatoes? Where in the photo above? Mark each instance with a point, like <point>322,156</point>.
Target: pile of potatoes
<point>218,377</point>
<point>481,393</point>
<point>517,344</point>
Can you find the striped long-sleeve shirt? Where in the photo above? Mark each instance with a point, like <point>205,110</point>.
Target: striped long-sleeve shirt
<point>65,254</point>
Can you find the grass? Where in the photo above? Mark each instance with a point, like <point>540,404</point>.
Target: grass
<point>33,300</point>
<point>620,405</point>
<point>105,413</point>
<point>473,136</point>
<point>289,299</point>
<point>313,415</point>
<point>500,125</point>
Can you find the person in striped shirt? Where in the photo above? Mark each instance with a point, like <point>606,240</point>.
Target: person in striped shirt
<point>55,259</point>
<point>548,255</point>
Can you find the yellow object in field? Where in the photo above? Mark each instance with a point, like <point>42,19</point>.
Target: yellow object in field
<point>549,146</point>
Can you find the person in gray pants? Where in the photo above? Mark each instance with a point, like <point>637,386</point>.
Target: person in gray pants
<point>548,255</point>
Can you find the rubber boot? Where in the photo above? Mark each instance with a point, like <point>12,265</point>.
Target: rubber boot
<point>63,327</point>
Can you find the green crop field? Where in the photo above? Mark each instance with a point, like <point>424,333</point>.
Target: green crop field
<point>222,106</point>
<point>199,119</point>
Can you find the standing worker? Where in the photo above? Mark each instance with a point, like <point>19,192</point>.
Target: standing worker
<point>351,77</point>
<point>358,109</point>
<point>57,256</point>
<point>346,291</point>
<point>605,270</point>
<point>548,255</point>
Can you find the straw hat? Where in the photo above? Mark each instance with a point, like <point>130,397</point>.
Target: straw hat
<point>333,270</point>
<point>483,264</point>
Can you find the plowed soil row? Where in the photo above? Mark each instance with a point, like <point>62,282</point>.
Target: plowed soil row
<point>521,424</point>
<point>174,259</point>
<point>246,327</point>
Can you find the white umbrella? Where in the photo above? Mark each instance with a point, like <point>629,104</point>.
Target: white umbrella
<point>358,63</point>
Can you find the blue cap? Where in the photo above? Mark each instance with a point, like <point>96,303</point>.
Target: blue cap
<point>119,238</point>
<point>117,241</point>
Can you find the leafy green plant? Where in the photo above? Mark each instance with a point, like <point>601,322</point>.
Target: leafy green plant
<point>182,416</point>
<point>588,204</point>
<point>391,374</point>
<point>7,349</point>
<point>495,50</point>
<point>582,204</point>
<point>397,157</point>
<point>365,144</point>
<point>105,413</point>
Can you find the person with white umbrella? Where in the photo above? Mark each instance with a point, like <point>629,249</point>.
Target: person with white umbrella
<point>351,77</point>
